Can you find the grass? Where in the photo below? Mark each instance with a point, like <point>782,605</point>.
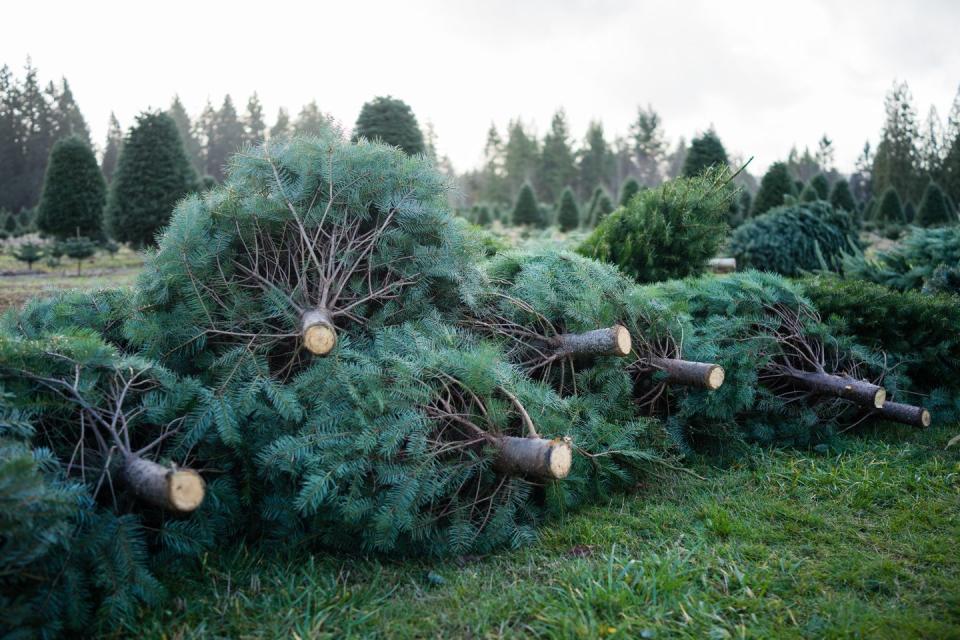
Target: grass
<point>860,542</point>
<point>17,284</point>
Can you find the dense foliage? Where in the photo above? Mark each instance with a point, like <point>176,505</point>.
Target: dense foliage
<point>934,209</point>
<point>568,213</point>
<point>912,262</point>
<point>794,239</point>
<point>705,151</point>
<point>152,175</point>
<point>392,122</point>
<point>667,232</point>
<point>74,192</point>
<point>775,184</point>
<point>526,211</point>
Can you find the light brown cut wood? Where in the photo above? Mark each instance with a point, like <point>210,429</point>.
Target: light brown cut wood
<point>613,341</point>
<point>905,414</point>
<point>539,457</point>
<point>180,490</point>
<point>319,334</point>
<point>694,374</point>
<point>861,392</point>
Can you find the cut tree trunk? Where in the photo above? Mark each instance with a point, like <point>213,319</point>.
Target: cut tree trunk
<point>905,414</point>
<point>319,334</point>
<point>614,341</point>
<point>692,374</point>
<point>860,392</point>
<point>540,457</point>
<point>180,490</point>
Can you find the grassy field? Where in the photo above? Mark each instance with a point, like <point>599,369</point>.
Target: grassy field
<point>849,543</point>
<point>17,283</point>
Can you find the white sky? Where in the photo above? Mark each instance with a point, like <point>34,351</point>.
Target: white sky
<point>767,74</point>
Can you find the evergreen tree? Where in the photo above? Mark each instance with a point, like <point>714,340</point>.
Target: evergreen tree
<point>391,121</point>
<point>66,117</point>
<point>628,189</point>
<point>667,232</point>
<point>909,212</point>
<point>776,184</point>
<point>950,166</point>
<point>809,194</point>
<point>930,147</point>
<point>281,127</point>
<point>204,130</point>
<point>188,136</point>
<point>227,138</point>
<point>37,137</point>
<point>591,211</point>
<point>934,210</point>
<point>568,214</point>
<point>310,121</point>
<point>521,156</point>
<point>525,210</point>
<point>594,160</point>
<point>152,175</point>
<point>744,205</point>
<point>841,198</point>
<point>29,252</point>
<point>74,192</point>
<point>557,164</point>
<point>254,128</point>
<point>649,146</point>
<point>604,208</point>
<point>897,159</point>
<point>11,134</point>
<point>821,185</point>
<point>111,151</point>
<point>861,182</point>
<point>705,151</point>
<point>890,209</point>
<point>79,248</point>
<point>494,187</point>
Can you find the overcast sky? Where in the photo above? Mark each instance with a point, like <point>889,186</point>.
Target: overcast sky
<point>765,74</point>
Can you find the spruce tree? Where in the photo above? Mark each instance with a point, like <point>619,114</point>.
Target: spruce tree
<point>628,189</point>
<point>66,117</point>
<point>776,184</point>
<point>705,151</point>
<point>950,166</point>
<point>29,252</point>
<point>890,209</point>
<point>521,156</point>
<point>934,210</point>
<point>281,126</point>
<point>526,211</point>
<point>897,158</point>
<point>842,198</point>
<point>111,152</point>
<point>226,139</point>
<point>604,208</point>
<point>667,232</point>
<point>153,174</point>
<point>648,146</point>
<point>254,128</point>
<point>188,136</point>
<point>310,121</point>
<point>74,192</point>
<point>594,161</point>
<point>557,164</point>
<point>821,185</point>
<point>568,215</point>
<point>392,122</point>
<point>809,194</point>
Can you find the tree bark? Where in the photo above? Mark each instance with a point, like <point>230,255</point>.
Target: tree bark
<point>692,374</point>
<point>540,457</point>
<point>858,391</point>
<point>319,334</point>
<point>614,341</point>
<point>905,414</point>
<point>180,490</point>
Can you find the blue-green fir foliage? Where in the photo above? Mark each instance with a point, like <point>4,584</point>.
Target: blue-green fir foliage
<point>913,262</point>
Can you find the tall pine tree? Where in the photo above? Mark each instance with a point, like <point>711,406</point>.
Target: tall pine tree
<point>188,136</point>
<point>594,161</point>
<point>227,138</point>
<point>310,121</point>
<point>705,151</point>
<point>557,165</point>
<point>776,184</point>
<point>281,126</point>
<point>111,151</point>
<point>897,159</point>
<point>153,174</point>
<point>254,128</point>
<point>649,146</point>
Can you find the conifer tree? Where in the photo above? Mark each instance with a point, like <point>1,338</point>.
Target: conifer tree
<point>67,120</point>
<point>226,139</point>
<point>281,126</point>
<point>897,158</point>
<point>667,232</point>
<point>604,208</point>
<point>934,210</point>
<point>111,151</point>
<point>254,128</point>
<point>74,192</point>
<point>649,146</point>
<point>592,206</point>
<point>526,211</point>
<point>809,194</point>
<point>842,198</point>
<point>568,214</point>
<point>705,151</point>
<point>29,252</point>
<point>152,175</point>
<point>594,161</point>
<point>890,209</point>
<point>385,250</point>
<point>776,184</point>
<point>557,164</point>
<point>310,121</point>
<point>950,166</point>
<point>188,136</point>
<point>391,121</point>
<point>821,186</point>
<point>521,156</point>
<point>628,189</point>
